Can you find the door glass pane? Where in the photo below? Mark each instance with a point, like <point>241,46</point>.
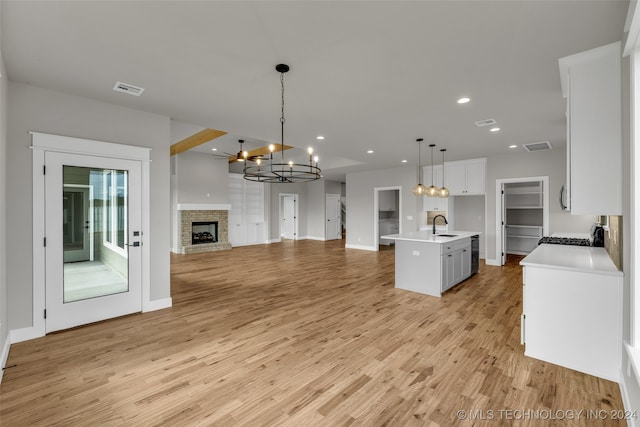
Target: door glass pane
<point>95,232</point>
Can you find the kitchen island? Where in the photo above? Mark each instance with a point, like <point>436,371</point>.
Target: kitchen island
<point>572,305</point>
<point>431,264</point>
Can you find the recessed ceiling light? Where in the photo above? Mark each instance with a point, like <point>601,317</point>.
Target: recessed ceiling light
<point>513,146</point>
<point>404,161</point>
<point>463,100</point>
<point>214,149</point>
<point>494,129</point>
<point>320,137</point>
<point>369,151</point>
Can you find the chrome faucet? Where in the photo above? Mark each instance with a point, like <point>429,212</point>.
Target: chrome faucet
<point>434,222</point>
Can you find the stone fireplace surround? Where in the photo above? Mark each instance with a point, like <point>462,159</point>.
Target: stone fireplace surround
<point>199,213</point>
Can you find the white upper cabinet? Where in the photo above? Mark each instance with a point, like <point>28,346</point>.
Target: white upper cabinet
<point>387,200</point>
<point>433,203</point>
<point>592,85</point>
<point>466,177</point>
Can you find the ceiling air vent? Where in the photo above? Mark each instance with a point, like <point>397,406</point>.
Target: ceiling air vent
<point>127,88</point>
<point>486,122</point>
<point>537,146</point>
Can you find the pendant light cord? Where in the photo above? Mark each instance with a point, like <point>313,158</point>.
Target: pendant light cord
<point>282,118</point>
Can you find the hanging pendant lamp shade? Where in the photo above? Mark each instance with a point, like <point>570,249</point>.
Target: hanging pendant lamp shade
<point>444,191</point>
<point>419,189</point>
<point>432,191</point>
<point>269,169</point>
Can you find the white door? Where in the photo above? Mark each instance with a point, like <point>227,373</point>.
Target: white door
<point>333,229</point>
<point>289,217</point>
<point>77,222</point>
<point>109,285</point>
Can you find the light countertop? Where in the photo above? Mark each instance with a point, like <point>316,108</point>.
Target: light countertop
<point>428,237</point>
<point>574,258</point>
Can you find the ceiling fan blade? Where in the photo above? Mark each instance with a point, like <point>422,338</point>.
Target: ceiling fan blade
<point>259,152</point>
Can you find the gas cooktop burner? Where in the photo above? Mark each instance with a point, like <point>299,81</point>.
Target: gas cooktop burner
<point>571,241</point>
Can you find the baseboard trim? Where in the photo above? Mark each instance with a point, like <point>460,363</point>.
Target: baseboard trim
<point>493,262</point>
<point>360,247</point>
<point>322,239</point>
<point>5,354</point>
<point>25,334</point>
<point>158,304</point>
<point>626,401</point>
<point>275,241</point>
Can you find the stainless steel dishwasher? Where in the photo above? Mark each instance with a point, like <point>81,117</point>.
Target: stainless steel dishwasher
<point>475,253</point>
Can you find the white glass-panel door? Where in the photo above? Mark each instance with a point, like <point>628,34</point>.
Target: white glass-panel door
<point>93,238</point>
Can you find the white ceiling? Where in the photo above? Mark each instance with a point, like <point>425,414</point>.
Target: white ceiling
<point>365,74</point>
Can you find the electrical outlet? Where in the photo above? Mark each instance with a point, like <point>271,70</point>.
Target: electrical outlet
<point>416,253</point>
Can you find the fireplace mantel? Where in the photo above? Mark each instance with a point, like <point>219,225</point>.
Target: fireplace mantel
<point>204,207</point>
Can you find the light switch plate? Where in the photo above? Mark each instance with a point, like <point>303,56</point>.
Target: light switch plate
<point>409,218</point>
<point>416,253</point>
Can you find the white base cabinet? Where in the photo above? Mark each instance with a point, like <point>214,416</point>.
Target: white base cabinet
<point>573,319</point>
<point>455,263</point>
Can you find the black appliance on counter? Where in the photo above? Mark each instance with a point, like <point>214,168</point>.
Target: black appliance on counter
<point>597,232</point>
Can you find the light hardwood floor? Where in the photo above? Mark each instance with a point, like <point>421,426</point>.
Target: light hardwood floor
<point>301,334</point>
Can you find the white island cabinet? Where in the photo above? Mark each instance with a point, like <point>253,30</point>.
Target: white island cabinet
<point>431,264</point>
<point>572,309</point>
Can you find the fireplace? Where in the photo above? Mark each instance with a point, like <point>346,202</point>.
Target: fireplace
<point>204,232</point>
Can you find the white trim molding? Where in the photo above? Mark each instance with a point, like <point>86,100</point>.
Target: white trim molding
<point>204,207</point>
<point>4,355</point>
<point>361,247</point>
<point>69,144</point>
<point>158,304</point>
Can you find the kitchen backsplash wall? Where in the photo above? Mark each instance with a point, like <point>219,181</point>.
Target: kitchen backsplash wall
<point>613,240</point>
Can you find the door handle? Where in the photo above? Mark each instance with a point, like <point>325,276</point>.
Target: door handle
<point>134,244</point>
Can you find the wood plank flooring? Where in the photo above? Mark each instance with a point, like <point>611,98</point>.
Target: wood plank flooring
<point>301,333</point>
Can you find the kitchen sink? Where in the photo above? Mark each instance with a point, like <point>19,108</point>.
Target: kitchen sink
<point>446,235</point>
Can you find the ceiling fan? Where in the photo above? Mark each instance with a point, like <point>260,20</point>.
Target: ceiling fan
<point>260,153</point>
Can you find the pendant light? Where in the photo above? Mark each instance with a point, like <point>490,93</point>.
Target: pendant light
<point>419,189</point>
<point>444,191</point>
<point>432,191</point>
<point>270,170</point>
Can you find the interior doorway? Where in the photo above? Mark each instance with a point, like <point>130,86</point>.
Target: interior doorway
<point>387,213</point>
<point>523,208</point>
<point>77,222</point>
<point>288,216</point>
<point>333,229</point>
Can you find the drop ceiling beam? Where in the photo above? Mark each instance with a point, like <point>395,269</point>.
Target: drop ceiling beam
<point>196,139</point>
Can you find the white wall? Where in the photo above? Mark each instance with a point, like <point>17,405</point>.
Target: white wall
<point>201,178</point>
<point>468,215</point>
<point>316,210</point>
<point>360,202</point>
<point>4,324</point>
<point>35,109</point>
<point>520,164</point>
